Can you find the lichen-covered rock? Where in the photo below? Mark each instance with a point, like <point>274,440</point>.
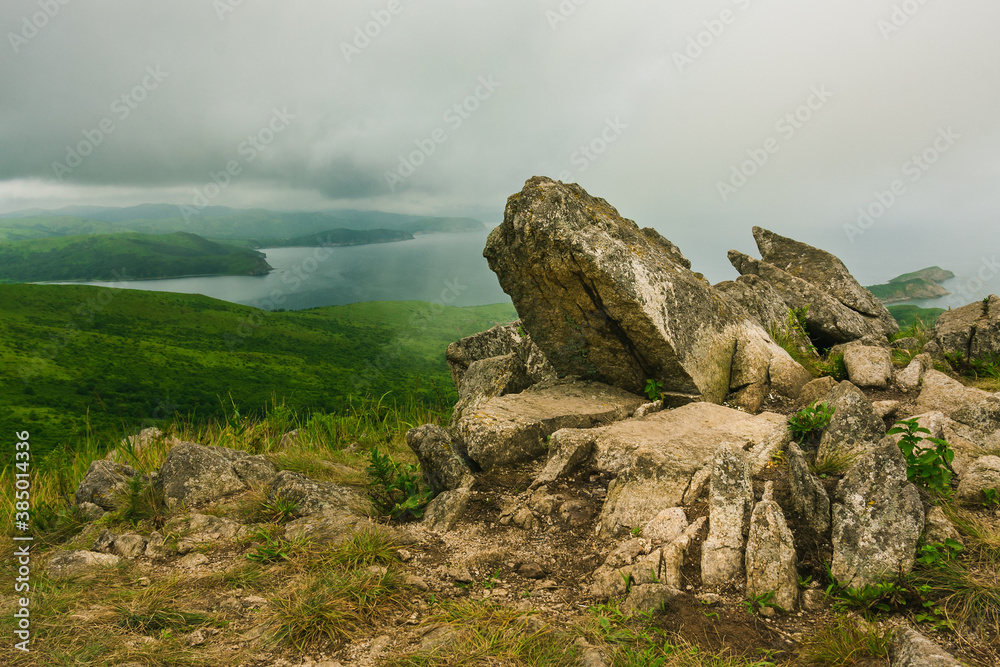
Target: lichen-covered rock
<point>442,465</point>
<point>808,496</point>
<point>608,301</point>
<point>487,378</point>
<point>771,563</point>
<point>79,563</point>
<point>942,393</point>
<point>254,471</point>
<point>765,304</point>
<point>817,390</point>
<point>912,649</point>
<point>981,476</point>
<point>512,429</point>
<point>730,505</point>
<point>908,379</point>
<point>666,526</point>
<point>972,330</point>
<point>103,481</point>
<point>868,366</point>
<point>877,519</point>
<point>854,427</point>
<point>127,546</point>
<point>312,497</point>
<point>501,340</point>
<point>193,474</point>
<point>443,513</point>
<point>938,527</point>
<point>649,598</point>
<point>330,527</point>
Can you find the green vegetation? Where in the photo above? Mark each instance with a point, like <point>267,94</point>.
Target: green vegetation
<point>929,467</point>
<point>125,257</point>
<point>933,273</point>
<point>80,360</point>
<point>907,315</point>
<point>653,390</point>
<point>921,284</point>
<point>336,237</point>
<point>845,642</point>
<point>810,421</point>
<point>395,487</point>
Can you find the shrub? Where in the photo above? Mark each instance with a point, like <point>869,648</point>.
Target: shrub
<point>395,487</point>
<point>928,467</point>
<point>810,421</point>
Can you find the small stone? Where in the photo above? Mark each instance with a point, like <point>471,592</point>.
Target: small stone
<point>192,561</point>
<point>531,571</point>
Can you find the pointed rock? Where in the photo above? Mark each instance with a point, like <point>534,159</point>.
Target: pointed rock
<point>442,466</point>
<point>770,558</point>
<point>730,504</point>
<point>809,498</point>
<point>854,427</point>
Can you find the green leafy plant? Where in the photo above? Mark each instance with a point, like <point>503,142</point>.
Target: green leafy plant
<point>395,488</point>
<point>929,467</point>
<point>758,602</point>
<point>279,509</point>
<point>992,498</point>
<point>272,548</point>
<point>834,367</point>
<point>653,389</point>
<point>938,553</point>
<point>810,421</point>
<point>885,597</point>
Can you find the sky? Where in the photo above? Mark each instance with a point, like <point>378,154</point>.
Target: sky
<point>870,128</point>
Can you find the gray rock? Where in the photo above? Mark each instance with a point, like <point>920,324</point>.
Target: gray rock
<point>868,366</point>
<point>312,497</point>
<point>206,529</point>
<point>655,458</point>
<point>501,340</point>
<point>854,427</point>
<point>512,429</point>
<point>79,563</point>
<point>193,474</point>
<point>730,505</point>
<point>443,467</point>
<point>817,390</point>
<point>886,408</point>
<point>808,496</point>
<point>488,378</point>
<point>103,481</point>
<point>771,563</point>
<point>766,305</point>
<point>126,546</point>
<point>193,561</point>
<point>814,600</point>
<point>666,526</point>
<point>608,301</point>
<point>254,471</point>
<point>569,448</point>
<point>156,547</point>
<point>938,527</point>
<point>972,330</point>
<point>331,526</point>
<point>877,519</point>
<point>614,579</point>
<point>675,553</point>
<point>650,598</point>
<point>908,379</point>
<point>443,513</point>
<point>982,475</point>
<point>942,393</point>
<point>90,511</point>
<point>912,649</point>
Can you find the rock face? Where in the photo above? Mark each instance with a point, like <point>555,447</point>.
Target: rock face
<point>193,474</point>
<point>512,429</point>
<point>443,467</point>
<point>770,557</point>
<point>854,427</point>
<point>840,309</point>
<point>877,519</point>
<point>730,504</point>
<point>608,301</point>
<point>972,330</point>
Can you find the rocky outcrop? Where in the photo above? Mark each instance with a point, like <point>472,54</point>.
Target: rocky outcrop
<point>972,331</point>
<point>730,505</point>
<point>501,340</point>
<point>839,309</point>
<point>608,301</point>
<point>79,563</point>
<point>877,519</point>
<point>103,481</point>
<point>512,429</point>
<point>442,465</point>
<point>771,563</point>
<point>808,496</point>
<point>854,427</point>
<point>193,474</point>
<point>765,304</point>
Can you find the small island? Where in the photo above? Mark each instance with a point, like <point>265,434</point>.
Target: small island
<point>923,284</point>
<point>126,256</point>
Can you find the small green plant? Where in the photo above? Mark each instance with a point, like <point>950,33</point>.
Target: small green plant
<point>834,367</point>
<point>140,501</point>
<point>758,602</point>
<point>635,532</point>
<point>395,487</point>
<point>929,467</point>
<point>810,421</point>
<point>805,581</point>
<point>833,463</point>
<point>272,548</point>
<point>938,553</point>
<point>280,509</point>
<point>992,498</point>
<point>653,389</point>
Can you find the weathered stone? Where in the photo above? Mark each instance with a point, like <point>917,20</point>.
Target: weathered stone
<point>730,504</point>
<point>90,511</point>
<point>576,512</point>
<point>770,555</point>
<point>762,453</point>
<point>908,379</point>
<point>254,471</point>
<point>443,467</point>
<point>666,526</point>
<point>649,598</point>
<point>569,448</point>
<point>193,561</point>
<point>511,429</point>
<point>938,527</point>
<point>877,519</point>
<point>854,427</point>
<point>675,553</point>
<point>817,390</point>
<point>808,496</point>
<point>698,486</point>
<point>972,331</point>
<point>648,409</point>
<point>607,301</point>
<point>331,526</point>
<point>443,513</point>
<point>156,547</point>
<point>72,564</point>
<point>499,341</point>
<point>488,378</point>
<point>886,408</point>
<point>312,497</point>
<point>133,446</point>
<point>766,305</point>
<point>912,649</point>
<point>206,529</point>
<point>941,393</point>
<point>126,546</point>
<point>193,474</point>
<point>868,366</point>
<point>814,600</point>
<point>981,476</point>
<point>103,481</point>
<point>655,458</point>
<point>614,578</point>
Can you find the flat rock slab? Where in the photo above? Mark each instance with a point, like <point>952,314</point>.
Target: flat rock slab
<point>655,457</point>
<point>512,429</point>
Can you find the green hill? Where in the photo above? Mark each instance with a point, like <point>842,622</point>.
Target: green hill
<point>906,314</point>
<point>920,284</point>
<point>132,256</point>
<point>337,237</point>
<point>69,353</point>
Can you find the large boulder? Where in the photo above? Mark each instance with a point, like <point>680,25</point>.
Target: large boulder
<point>103,481</point>
<point>488,378</point>
<point>855,426</point>
<point>513,428</point>
<point>766,305</point>
<point>839,309</point>
<point>972,331</point>
<point>912,649</point>
<point>311,497</point>
<point>868,366</point>
<point>877,519</point>
<point>194,474</point>
<point>608,301</point>
<point>730,505</point>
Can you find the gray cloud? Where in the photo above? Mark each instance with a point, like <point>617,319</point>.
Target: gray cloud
<point>693,91</point>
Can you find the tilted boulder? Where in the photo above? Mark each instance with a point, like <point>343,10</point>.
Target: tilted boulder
<point>972,331</point>
<point>770,557</point>
<point>488,378</point>
<point>877,519</point>
<point>868,366</point>
<point>443,467</point>
<point>608,301</point>
<point>730,505</point>
<point>499,341</point>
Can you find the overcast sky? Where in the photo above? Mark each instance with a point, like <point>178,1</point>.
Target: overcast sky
<point>667,98</point>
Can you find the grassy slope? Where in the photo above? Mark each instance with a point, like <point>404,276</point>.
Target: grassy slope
<point>906,314</point>
<point>110,256</point>
<point>129,357</point>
